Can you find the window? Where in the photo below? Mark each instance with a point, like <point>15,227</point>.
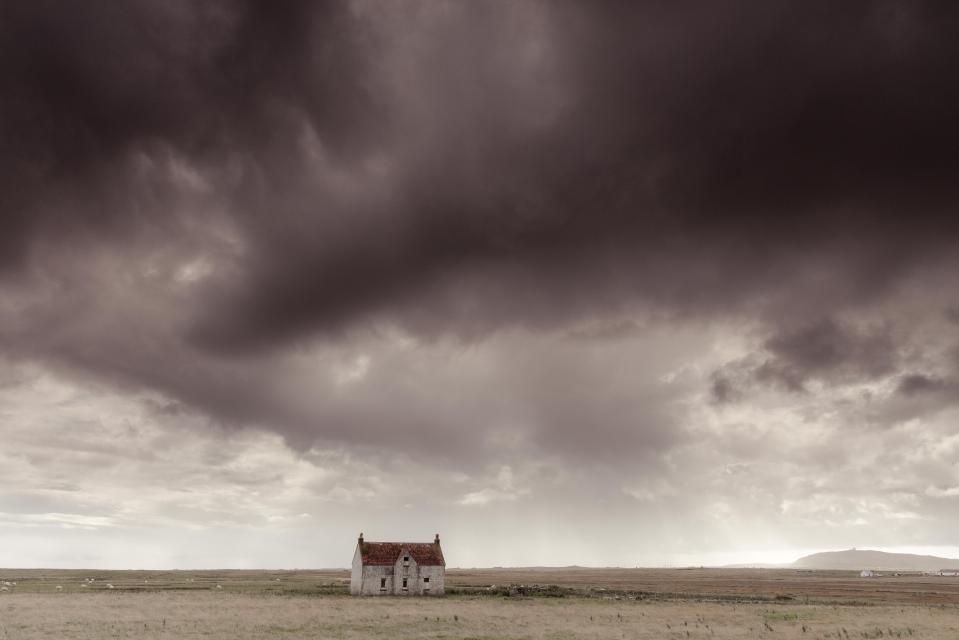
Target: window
<point>404,583</point>
<point>426,580</point>
<point>406,558</point>
<point>382,583</point>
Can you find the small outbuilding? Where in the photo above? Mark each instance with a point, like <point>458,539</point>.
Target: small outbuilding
<point>398,568</point>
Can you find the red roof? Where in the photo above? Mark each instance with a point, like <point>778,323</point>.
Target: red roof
<point>387,553</point>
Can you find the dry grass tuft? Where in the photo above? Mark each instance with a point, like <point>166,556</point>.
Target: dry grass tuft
<point>221,614</point>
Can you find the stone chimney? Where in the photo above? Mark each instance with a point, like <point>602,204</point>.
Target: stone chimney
<point>361,538</point>
<point>437,540</point>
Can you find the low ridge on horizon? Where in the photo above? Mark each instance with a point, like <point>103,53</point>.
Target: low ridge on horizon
<point>855,559</point>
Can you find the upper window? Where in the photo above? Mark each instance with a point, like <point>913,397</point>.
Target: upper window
<point>406,558</point>
<point>426,579</point>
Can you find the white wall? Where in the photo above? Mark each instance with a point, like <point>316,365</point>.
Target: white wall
<point>356,575</point>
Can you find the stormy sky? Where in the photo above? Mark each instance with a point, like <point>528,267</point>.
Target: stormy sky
<point>618,283</point>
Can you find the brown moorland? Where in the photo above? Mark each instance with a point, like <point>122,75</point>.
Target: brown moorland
<point>702,583</point>
<point>760,584</point>
<point>674,604</point>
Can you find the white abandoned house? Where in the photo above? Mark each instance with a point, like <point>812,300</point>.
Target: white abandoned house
<point>398,568</point>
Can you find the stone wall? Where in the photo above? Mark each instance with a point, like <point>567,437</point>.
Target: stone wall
<point>377,580</point>
<point>437,583</point>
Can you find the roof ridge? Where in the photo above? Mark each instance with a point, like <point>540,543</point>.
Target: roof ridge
<point>392,542</point>
<point>387,553</point>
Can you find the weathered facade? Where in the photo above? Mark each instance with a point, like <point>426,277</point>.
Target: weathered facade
<point>398,568</point>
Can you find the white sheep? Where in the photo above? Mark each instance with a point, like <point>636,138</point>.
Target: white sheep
<point>219,586</point>
<point>109,586</point>
<point>4,588</point>
<point>59,587</point>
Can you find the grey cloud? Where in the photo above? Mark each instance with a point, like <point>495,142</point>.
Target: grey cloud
<point>731,381</point>
<point>824,349</point>
<point>722,388</point>
<point>337,168</point>
<point>594,154</point>
<point>827,349</point>
<point>919,384</point>
<point>543,227</point>
<point>916,395</point>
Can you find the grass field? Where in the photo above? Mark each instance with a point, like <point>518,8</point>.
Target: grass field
<point>594,603</point>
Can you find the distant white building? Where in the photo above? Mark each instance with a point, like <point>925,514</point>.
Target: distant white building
<point>866,573</point>
<point>398,568</point>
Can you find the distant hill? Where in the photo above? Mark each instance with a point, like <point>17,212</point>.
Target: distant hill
<point>865,559</point>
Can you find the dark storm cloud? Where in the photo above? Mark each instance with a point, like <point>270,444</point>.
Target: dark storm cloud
<point>457,169</point>
<point>90,93</point>
<point>687,154</point>
<point>692,157</point>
